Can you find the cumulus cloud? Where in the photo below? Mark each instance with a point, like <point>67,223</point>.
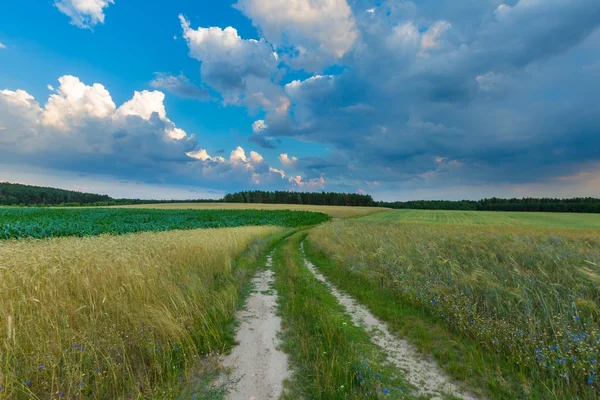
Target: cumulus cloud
<point>243,71</point>
<point>286,160</point>
<point>2,46</point>
<point>318,32</point>
<point>453,101</point>
<point>84,13</point>
<point>259,126</point>
<point>179,85</point>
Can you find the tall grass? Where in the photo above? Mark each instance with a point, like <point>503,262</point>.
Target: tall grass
<point>529,295</point>
<point>112,317</point>
<point>331,358</point>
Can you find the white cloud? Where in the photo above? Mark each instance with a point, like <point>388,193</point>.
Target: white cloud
<point>144,104</point>
<point>82,122</point>
<point>2,46</point>
<point>312,184</point>
<point>277,171</point>
<point>243,71</point>
<point>320,31</point>
<point>259,126</point>
<point>84,13</point>
<point>286,160</point>
<point>50,88</point>
<point>74,103</point>
<point>256,158</point>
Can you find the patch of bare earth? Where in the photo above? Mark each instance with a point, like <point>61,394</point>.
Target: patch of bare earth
<point>258,367</point>
<point>424,374</point>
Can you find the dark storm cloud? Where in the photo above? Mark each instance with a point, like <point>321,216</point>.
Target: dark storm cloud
<point>508,101</point>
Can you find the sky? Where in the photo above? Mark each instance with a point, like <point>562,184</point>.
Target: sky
<point>400,99</point>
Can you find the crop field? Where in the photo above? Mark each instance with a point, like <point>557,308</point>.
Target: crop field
<point>513,310</point>
<point>116,303</point>
<point>332,211</point>
<point>55,222</point>
<point>119,316</point>
<point>488,218</point>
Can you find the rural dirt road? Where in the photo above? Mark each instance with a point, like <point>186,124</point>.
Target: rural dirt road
<point>258,366</point>
<point>425,375</point>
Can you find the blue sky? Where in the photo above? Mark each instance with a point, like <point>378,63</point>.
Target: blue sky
<point>400,99</point>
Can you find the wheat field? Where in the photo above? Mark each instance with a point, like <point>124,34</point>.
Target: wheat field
<point>116,316</point>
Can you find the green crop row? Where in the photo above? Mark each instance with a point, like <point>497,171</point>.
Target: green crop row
<point>17,223</point>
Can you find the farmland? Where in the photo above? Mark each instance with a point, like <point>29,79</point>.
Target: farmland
<point>111,316</point>
<point>497,306</point>
<point>332,211</point>
<point>57,222</point>
<point>488,218</point>
<point>142,302</point>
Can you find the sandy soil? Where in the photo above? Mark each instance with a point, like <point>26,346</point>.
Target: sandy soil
<point>258,366</point>
<point>428,379</point>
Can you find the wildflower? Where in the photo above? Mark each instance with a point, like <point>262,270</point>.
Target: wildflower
<point>577,318</point>
<point>1,388</point>
<point>81,383</point>
<point>98,370</point>
<point>75,346</point>
<point>385,391</point>
<point>28,383</point>
<point>590,380</point>
<point>378,375</point>
<point>593,361</point>
<point>41,367</point>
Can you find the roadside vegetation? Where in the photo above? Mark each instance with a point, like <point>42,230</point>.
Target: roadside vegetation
<point>513,310</point>
<point>16,223</point>
<point>121,316</point>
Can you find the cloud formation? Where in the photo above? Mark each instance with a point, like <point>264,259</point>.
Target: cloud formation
<point>312,33</point>
<point>84,13</point>
<point>80,128</point>
<point>179,85</point>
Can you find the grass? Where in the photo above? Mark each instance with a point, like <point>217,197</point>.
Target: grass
<point>332,211</point>
<point>502,307</point>
<point>132,316</point>
<point>488,218</point>
<point>56,222</point>
<point>331,358</point>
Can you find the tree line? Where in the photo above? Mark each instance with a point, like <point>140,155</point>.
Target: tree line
<point>12,194</point>
<point>310,198</point>
<point>574,205</point>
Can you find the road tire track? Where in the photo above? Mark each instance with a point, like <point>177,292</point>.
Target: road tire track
<point>424,374</point>
<point>258,366</point>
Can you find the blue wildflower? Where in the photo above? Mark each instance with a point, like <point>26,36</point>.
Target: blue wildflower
<point>28,383</point>
<point>593,361</point>
<point>81,383</point>
<point>590,380</point>
<point>385,391</point>
<point>75,346</point>
<point>41,367</point>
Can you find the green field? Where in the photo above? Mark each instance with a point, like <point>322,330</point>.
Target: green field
<point>489,218</point>
<point>57,222</point>
<point>496,305</point>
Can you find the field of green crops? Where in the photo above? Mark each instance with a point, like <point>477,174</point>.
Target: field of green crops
<point>488,218</point>
<point>16,223</point>
<point>508,304</point>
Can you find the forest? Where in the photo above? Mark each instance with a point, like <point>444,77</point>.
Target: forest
<point>310,198</point>
<point>12,194</point>
<point>575,205</point>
